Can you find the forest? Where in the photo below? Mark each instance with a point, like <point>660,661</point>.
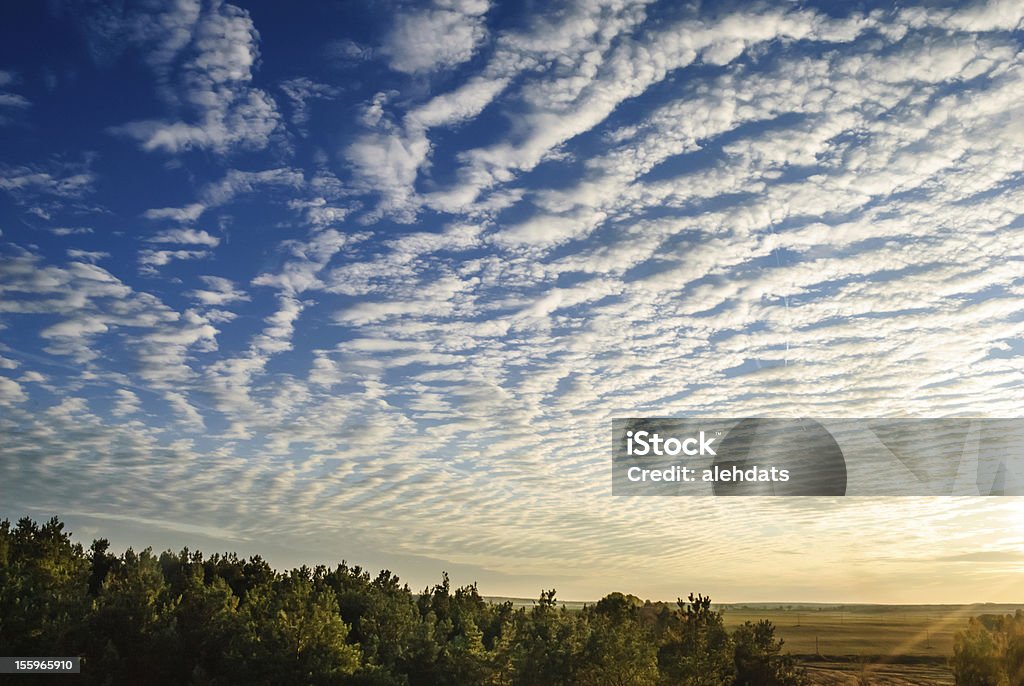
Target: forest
<point>186,618</point>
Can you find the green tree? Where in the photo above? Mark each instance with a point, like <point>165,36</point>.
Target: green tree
<point>464,660</point>
<point>298,631</point>
<point>181,618</point>
<point>43,588</point>
<point>549,645</point>
<point>990,652</point>
<point>132,632</point>
<point>619,651</point>
<point>384,619</point>
<point>503,639</point>
<point>977,656</point>
<point>696,649</point>
<point>759,660</point>
<point>208,624</point>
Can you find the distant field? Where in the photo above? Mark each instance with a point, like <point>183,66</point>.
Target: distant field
<point>889,645</point>
<point>904,631</point>
<point>885,645</point>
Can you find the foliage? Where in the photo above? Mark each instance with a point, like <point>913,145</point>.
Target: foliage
<point>990,652</point>
<point>759,660</point>
<point>183,618</point>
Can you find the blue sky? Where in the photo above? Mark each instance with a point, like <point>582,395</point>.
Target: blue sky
<point>369,280</point>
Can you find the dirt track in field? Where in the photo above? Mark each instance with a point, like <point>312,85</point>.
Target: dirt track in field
<point>854,674</point>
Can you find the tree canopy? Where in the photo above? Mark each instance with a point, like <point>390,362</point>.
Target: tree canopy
<point>185,618</point>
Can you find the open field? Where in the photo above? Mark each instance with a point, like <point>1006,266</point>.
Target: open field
<point>865,630</point>
<point>887,645</point>
<point>878,674</point>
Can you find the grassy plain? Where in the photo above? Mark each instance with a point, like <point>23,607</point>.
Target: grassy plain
<point>912,631</point>
<point>880,645</point>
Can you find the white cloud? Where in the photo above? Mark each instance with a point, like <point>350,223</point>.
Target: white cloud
<point>185,412</point>
<point>389,164</point>
<point>389,159</point>
<point>309,258</point>
<point>219,291</point>
<point>631,68</point>
<point>300,91</point>
<point>11,101</point>
<point>414,43</point>
<point>319,212</point>
<point>70,230</point>
<point>186,236</point>
<point>188,213</point>
<point>159,258</point>
<point>87,255</point>
<point>61,180</point>
<point>237,182</point>
<point>10,391</point>
<point>126,403</point>
<point>347,50</point>
<point>213,83</point>
<point>234,183</point>
<point>32,377</point>
<point>985,15</point>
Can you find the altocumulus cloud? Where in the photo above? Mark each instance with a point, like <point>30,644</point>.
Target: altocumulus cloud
<point>399,316</point>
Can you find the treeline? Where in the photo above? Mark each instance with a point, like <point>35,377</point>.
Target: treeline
<point>182,618</point>
<point>990,652</point>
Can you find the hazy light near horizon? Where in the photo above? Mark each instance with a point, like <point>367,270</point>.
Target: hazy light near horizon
<point>327,286</point>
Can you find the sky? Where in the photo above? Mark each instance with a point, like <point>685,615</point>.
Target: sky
<point>369,280</point>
